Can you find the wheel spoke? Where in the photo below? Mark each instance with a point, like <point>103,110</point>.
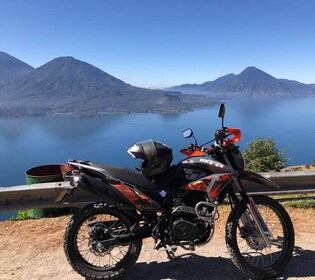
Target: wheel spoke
<point>87,240</point>
<point>251,244</point>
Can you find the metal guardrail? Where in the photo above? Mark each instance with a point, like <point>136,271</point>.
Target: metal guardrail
<point>48,195</point>
<point>43,195</point>
<point>289,182</point>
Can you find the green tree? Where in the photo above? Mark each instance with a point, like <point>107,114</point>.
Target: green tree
<point>262,156</point>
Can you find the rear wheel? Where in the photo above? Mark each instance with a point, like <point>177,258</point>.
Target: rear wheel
<point>85,252</point>
<point>246,245</point>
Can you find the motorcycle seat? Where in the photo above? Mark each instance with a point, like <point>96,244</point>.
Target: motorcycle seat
<point>126,175</point>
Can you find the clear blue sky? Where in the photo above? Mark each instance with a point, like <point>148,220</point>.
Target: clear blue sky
<point>165,42</point>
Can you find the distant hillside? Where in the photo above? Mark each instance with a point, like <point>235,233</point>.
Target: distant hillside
<point>11,67</point>
<point>250,82</point>
<point>67,85</point>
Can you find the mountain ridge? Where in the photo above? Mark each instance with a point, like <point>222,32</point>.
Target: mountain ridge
<point>67,85</point>
<point>250,82</point>
<point>11,67</point>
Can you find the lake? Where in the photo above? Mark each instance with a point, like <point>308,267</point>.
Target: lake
<point>29,142</point>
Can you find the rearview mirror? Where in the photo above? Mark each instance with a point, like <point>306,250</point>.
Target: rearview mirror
<point>187,133</point>
<point>222,113</point>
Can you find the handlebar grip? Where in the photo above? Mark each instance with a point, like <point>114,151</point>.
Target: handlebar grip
<point>219,135</point>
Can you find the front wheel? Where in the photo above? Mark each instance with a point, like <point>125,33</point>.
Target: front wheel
<point>84,248</point>
<point>246,245</point>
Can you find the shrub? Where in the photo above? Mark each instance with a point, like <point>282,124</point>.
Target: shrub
<point>262,156</point>
<point>21,215</point>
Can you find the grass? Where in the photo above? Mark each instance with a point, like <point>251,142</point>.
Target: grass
<point>301,201</point>
<point>47,212</point>
<point>301,204</point>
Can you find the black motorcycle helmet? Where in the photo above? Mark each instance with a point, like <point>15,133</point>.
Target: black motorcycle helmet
<point>157,156</point>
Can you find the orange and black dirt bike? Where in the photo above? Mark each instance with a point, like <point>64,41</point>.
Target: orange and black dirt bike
<point>177,205</point>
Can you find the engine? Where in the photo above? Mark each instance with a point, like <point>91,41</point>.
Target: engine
<point>185,225</point>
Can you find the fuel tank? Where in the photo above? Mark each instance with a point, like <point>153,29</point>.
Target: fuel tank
<point>193,168</point>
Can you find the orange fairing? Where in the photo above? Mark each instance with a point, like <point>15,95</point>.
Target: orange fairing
<point>195,153</point>
<point>236,138</point>
<point>200,185</point>
<point>218,185</point>
<point>139,200</point>
<point>213,185</point>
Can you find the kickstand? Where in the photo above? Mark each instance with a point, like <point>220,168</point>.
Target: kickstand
<point>170,255</point>
<point>170,252</point>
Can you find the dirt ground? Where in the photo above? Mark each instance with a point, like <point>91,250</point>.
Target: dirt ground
<point>33,250</point>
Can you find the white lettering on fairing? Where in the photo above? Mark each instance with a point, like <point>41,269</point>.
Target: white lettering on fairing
<point>212,162</point>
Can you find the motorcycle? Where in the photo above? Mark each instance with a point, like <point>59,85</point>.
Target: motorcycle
<point>176,205</point>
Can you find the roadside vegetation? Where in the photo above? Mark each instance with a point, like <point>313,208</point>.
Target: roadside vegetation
<point>301,201</point>
<point>307,167</point>
<point>308,203</point>
<point>21,215</point>
<point>262,156</point>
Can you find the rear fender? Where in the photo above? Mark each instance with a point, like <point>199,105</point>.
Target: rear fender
<point>257,178</point>
<point>108,194</point>
<point>118,192</point>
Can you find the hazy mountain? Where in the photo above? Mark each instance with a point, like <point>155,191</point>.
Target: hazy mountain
<point>67,85</point>
<point>250,82</point>
<point>11,67</point>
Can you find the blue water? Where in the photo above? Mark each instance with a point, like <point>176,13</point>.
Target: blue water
<point>29,142</point>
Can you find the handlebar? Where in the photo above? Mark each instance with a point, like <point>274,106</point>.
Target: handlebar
<point>220,138</point>
<point>195,150</point>
<point>224,132</point>
<point>220,135</point>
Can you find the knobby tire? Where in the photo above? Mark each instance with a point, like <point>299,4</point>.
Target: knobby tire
<point>76,260</point>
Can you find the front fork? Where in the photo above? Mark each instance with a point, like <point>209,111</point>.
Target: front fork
<point>255,215</point>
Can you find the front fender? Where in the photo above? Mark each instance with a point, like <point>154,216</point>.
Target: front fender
<point>257,178</point>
